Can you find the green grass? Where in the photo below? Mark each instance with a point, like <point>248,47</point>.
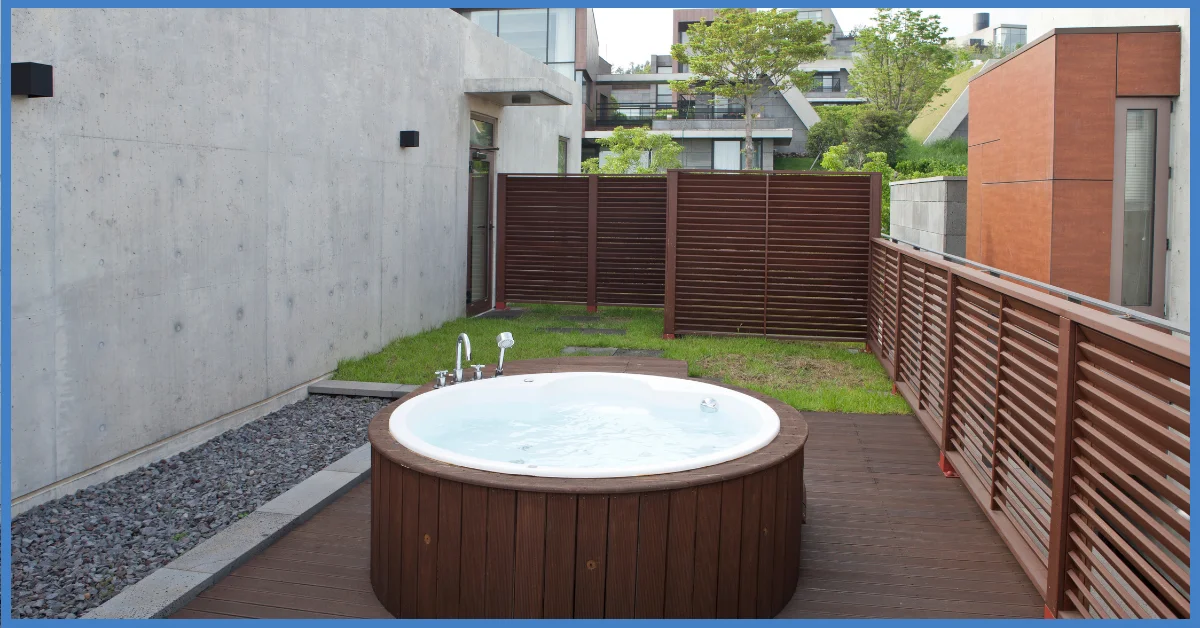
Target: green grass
<point>950,150</point>
<point>794,163</point>
<point>815,376</point>
<point>933,112</point>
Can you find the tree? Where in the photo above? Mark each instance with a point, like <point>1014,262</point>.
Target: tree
<point>834,127</point>
<point>633,68</point>
<point>743,54</point>
<point>904,61</point>
<point>629,148</point>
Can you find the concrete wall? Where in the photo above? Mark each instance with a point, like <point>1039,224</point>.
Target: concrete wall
<point>1178,293</point>
<point>214,209</point>
<point>931,212</point>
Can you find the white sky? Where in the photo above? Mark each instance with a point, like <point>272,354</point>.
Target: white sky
<point>632,35</point>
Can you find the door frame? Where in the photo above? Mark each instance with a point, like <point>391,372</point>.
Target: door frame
<point>1158,261</point>
<point>489,155</point>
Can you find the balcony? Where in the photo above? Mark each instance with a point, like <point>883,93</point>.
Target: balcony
<point>644,114</point>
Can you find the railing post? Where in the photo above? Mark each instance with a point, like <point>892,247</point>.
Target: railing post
<point>1060,485</point>
<point>899,316</point>
<point>876,204</point>
<point>996,404</point>
<point>501,189</point>
<point>593,194</point>
<point>669,280</point>
<point>948,380</point>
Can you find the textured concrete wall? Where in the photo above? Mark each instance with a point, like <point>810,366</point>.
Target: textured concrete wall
<point>931,212</point>
<point>214,208</point>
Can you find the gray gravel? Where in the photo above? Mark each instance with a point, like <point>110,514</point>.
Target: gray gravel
<point>73,553</point>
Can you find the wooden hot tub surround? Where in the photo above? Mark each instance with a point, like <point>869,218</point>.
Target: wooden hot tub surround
<point>717,542</point>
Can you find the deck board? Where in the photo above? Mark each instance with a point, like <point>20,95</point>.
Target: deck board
<point>887,536</point>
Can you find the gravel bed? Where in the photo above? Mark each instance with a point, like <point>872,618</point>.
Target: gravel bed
<point>73,553</point>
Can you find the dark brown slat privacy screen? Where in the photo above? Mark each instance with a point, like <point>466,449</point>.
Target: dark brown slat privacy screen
<point>1070,427</point>
<point>769,253</point>
<point>581,239</point>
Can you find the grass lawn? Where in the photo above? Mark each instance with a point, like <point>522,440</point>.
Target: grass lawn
<point>817,376</point>
<point>794,163</point>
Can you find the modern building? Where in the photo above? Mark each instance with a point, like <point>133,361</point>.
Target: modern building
<point>712,128</point>
<point>215,206</point>
<point>1001,39</point>
<point>1077,144</point>
<point>564,39</point>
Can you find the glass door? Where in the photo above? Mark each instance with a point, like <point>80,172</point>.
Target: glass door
<point>479,238</point>
<point>1137,275</point>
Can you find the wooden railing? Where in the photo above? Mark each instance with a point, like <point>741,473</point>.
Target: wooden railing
<point>586,239</point>
<point>1071,427</point>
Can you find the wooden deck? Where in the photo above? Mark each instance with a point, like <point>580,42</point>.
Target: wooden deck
<point>887,536</point>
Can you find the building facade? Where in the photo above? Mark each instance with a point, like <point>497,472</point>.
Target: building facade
<point>1074,187</point>
<point>215,207</point>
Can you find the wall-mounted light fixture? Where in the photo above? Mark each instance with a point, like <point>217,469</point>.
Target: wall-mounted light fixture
<point>521,99</point>
<point>410,139</point>
<point>35,80</point>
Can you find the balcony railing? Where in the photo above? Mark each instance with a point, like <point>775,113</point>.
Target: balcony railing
<point>642,114</point>
<point>833,86</point>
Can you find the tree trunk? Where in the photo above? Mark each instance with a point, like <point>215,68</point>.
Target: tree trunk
<point>748,159</point>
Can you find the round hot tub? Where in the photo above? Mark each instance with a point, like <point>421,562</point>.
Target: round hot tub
<point>586,495</point>
<point>584,425</point>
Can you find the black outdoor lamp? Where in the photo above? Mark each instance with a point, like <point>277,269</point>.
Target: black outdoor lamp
<point>35,80</point>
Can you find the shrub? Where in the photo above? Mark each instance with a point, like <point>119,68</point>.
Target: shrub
<point>661,114</point>
<point>831,130</point>
<point>877,131</point>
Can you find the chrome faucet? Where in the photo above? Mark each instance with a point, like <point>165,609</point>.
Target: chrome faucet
<point>458,372</point>
<point>441,379</point>
<point>478,371</point>
<point>504,341</point>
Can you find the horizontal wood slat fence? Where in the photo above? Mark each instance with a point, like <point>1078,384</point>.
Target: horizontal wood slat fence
<point>769,253</point>
<point>584,239</point>
<point>1070,427</point>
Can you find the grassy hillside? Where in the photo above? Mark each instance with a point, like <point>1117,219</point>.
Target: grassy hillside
<point>933,112</point>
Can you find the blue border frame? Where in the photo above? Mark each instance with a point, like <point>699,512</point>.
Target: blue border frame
<point>6,270</point>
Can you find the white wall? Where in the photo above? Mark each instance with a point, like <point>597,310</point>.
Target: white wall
<point>1178,296</point>
<point>214,208</point>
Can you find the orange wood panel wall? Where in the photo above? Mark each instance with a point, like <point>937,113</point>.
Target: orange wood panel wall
<point>1041,144</point>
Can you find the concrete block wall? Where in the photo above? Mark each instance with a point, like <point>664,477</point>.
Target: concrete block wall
<point>214,209</point>
<point>931,212</point>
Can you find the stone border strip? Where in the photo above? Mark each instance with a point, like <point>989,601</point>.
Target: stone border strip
<point>360,389</point>
<point>170,588</point>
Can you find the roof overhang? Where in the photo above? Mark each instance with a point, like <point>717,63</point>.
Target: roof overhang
<point>518,92</point>
<point>685,134</point>
<point>643,78</point>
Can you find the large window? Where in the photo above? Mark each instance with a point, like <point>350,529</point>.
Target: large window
<point>482,132</point>
<point>813,15</point>
<point>1139,204</point>
<point>546,34</point>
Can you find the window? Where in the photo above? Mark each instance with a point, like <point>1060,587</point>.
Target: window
<point>1137,277</point>
<point>525,29</point>
<point>663,95</point>
<point>664,69</point>
<point>546,34</point>
<point>485,19</point>
<point>727,154</point>
<point>482,132</point>
<point>815,16</point>
<point>563,143</point>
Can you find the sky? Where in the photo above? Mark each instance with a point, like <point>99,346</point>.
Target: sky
<point>632,35</point>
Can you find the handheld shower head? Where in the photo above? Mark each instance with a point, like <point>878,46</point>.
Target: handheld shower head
<point>504,341</point>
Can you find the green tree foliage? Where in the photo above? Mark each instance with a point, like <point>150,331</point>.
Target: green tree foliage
<point>633,68</point>
<point>876,131</point>
<point>833,127</point>
<point>743,54</point>
<point>904,61</point>
<point>628,149</point>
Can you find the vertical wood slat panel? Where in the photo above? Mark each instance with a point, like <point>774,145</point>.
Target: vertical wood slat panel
<point>473,574</point>
<point>560,556</point>
<point>669,283</point>
<point>398,547</point>
<point>619,588</point>
<point>766,546</point>
<point>681,554</point>
<point>448,554</point>
<point>748,572</point>
<point>1056,570</point>
<point>530,555</point>
<point>653,526</point>
<point>708,543</point>
<point>590,563</point>
<point>410,541</point>
<point>729,555</point>
<point>501,531</point>
<point>427,530</point>
<point>783,539</point>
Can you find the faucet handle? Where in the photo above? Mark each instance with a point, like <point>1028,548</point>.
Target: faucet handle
<point>478,371</point>
<point>441,379</point>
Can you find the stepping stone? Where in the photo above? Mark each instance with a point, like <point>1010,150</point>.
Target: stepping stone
<point>507,314</point>
<point>589,351</point>
<point>584,330</point>
<point>586,318</point>
<point>640,353</point>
